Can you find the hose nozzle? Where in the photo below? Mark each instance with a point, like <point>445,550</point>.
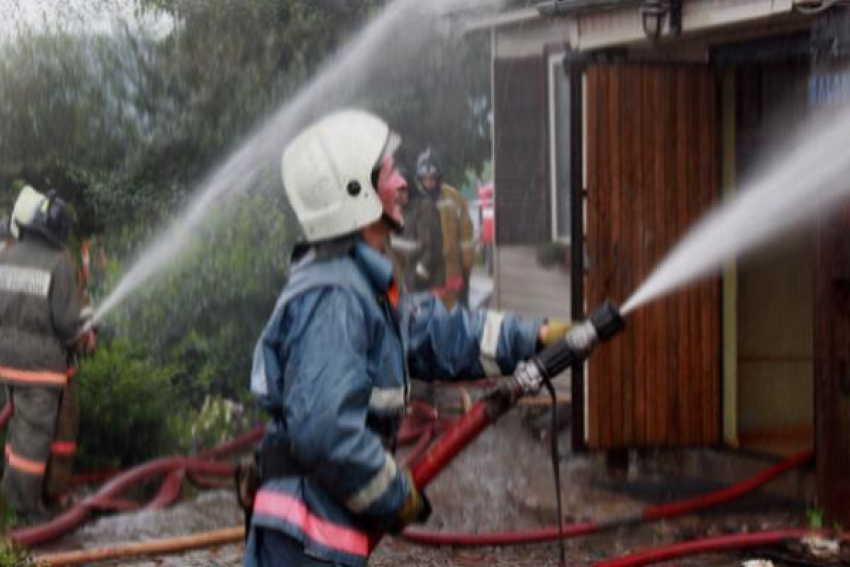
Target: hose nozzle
<point>604,323</point>
<point>607,321</point>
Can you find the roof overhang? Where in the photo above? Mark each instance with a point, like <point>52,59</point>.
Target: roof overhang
<point>583,25</point>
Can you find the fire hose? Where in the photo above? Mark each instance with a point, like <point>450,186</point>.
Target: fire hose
<point>650,513</point>
<point>603,324</point>
<point>108,497</point>
<point>6,414</point>
<point>715,544</point>
<point>530,376</point>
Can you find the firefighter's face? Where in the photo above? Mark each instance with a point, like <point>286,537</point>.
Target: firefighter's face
<point>429,182</point>
<point>392,189</point>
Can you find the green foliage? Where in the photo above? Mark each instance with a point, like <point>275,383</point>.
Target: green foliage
<point>214,423</point>
<point>206,310</point>
<point>437,96</point>
<point>128,406</point>
<point>815,516</point>
<point>125,124</point>
<point>12,554</point>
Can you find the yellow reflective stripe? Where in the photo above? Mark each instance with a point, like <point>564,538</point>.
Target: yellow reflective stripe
<point>376,487</point>
<point>489,346</point>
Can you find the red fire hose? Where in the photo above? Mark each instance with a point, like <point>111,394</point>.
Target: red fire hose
<point>109,493</point>
<point>6,414</point>
<point>709,545</point>
<point>425,468</point>
<point>648,514</point>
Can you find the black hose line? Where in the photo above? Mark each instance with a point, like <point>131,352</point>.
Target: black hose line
<point>556,469</point>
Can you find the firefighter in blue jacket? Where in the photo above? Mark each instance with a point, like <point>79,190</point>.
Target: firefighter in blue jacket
<point>332,364</point>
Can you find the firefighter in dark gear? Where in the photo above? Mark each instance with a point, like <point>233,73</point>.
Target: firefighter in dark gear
<point>457,230</point>
<point>331,366</point>
<point>40,318</point>
<point>420,243</point>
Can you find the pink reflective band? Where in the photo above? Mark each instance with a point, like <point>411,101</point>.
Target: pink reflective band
<point>24,465</point>
<point>63,447</point>
<point>321,531</point>
<point>33,376</point>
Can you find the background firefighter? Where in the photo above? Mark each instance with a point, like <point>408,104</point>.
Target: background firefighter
<point>457,230</point>
<point>40,316</point>
<point>331,366</point>
<point>420,243</point>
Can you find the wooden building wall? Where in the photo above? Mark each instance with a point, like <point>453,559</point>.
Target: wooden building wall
<point>520,151</point>
<point>652,170</point>
<point>523,219</point>
<point>832,369</point>
<point>524,287</point>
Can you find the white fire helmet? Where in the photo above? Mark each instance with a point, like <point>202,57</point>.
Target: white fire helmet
<point>25,208</point>
<point>327,173</point>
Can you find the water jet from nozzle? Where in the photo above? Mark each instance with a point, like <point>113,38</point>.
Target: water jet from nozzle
<point>805,183</point>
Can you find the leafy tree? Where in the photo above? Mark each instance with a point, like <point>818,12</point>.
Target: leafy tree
<point>208,308</point>
<point>125,124</point>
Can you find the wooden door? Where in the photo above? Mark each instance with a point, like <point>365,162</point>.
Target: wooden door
<point>653,169</point>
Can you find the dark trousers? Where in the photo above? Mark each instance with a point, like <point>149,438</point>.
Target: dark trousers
<point>28,442</point>
<point>270,548</point>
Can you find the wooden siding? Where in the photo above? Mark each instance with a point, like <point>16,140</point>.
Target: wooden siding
<point>653,170</point>
<point>832,370</point>
<point>520,151</point>
<point>524,287</point>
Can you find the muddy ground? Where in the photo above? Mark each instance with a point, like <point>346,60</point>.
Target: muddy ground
<point>503,482</point>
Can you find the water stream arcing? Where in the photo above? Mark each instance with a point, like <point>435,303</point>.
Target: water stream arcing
<point>398,32</point>
<point>803,184</point>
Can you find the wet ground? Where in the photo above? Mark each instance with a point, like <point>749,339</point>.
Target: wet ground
<point>503,482</point>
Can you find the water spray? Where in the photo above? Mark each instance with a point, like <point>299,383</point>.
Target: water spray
<point>806,182</point>
<point>244,167</point>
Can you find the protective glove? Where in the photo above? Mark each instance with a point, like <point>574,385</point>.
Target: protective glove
<point>551,332</point>
<point>87,342</point>
<point>416,508</point>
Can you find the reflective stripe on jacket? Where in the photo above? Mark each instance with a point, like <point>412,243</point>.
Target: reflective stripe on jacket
<point>331,368</point>
<point>39,313</point>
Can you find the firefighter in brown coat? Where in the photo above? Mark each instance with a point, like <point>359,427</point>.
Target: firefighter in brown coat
<point>420,242</point>
<point>40,319</point>
<point>457,230</point>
